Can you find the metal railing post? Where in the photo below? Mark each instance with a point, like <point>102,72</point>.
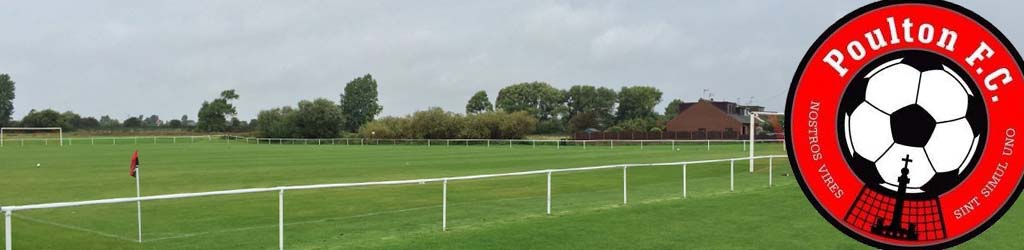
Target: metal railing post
<point>624,193</point>
<point>280,219</point>
<point>549,192</point>
<point>7,230</point>
<point>732,175</point>
<point>684,181</point>
<point>444,207</point>
<point>770,160</point>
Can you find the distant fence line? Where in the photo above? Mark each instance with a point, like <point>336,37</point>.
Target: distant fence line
<point>672,135</point>
<point>488,142</point>
<point>112,140</point>
<point>9,210</point>
<point>71,141</point>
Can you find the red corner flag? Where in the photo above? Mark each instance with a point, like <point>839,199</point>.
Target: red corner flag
<point>135,163</point>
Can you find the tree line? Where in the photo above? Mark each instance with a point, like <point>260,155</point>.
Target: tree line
<point>581,107</point>
<point>519,109</point>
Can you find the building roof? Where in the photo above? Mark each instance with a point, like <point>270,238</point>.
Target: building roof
<point>738,112</point>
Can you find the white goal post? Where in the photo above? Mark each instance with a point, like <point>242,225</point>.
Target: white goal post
<point>60,131</point>
<point>754,117</point>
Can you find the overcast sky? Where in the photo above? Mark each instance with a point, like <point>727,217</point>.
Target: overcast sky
<point>126,58</point>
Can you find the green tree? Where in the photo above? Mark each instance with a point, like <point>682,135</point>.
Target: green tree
<point>479,103</point>
<point>536,98</point>
<point>359,102</point>
<point>387,127</point>
<point>44,118</point>
<point>213,115</point>
<point>672,109</point>
<point>106,121</point>
<point>175,123</point>
<point>637,125</point>
<point>88,123</point>
<point>70,120</point>
<point>597,102</point>
<point>583,121</point>
<point>637,103</point>
<point>499,125</point>
<point>320,118</point>
<point>435,123</point>
<point>151,121</point>
<point>133,122</point>
<point>276,123</point>
<point>6,99</point>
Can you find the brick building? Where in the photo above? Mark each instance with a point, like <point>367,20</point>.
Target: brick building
<point>712,117</point>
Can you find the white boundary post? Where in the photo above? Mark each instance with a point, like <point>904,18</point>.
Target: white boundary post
<point>753,115</point>
<point>770,160</point>
<point>549,192</point>
<point>7,229</point>
<point>732,175</point>
<point>684,181</point>
<point>624,193</point>
<point>280,219</point>
<point>709,145</point>
<point>444,206</point>
<point>641,144</point>
<point>673,145</point>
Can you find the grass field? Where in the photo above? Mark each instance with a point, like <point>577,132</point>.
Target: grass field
<point>503,213</point>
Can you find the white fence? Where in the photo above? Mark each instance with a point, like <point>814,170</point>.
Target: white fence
<point>9,210</point>
<point>558,144</point>
<point>69,141</point>
<point>493,142</point>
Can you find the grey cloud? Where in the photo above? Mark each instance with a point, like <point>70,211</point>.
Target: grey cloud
<point>165,57</point>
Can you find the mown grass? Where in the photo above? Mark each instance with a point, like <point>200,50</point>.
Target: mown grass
<point>501,213</point>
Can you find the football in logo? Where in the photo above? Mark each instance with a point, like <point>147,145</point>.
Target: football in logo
<point>902,124</point>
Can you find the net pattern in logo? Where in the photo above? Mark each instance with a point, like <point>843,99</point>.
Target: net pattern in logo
<point>924,214</point>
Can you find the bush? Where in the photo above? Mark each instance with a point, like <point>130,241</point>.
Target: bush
<point>276,123</point>
<point>436,123</point>
<point>388,128</point>
<point>614,129</point>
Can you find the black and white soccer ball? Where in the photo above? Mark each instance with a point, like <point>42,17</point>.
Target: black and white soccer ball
<point>912,104</point>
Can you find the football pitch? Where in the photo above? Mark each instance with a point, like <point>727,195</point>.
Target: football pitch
<point>500,213</point>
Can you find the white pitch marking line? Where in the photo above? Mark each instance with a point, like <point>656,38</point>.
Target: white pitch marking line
<point>73,228</point>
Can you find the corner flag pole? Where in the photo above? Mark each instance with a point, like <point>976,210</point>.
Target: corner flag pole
<point>138,204</point>
<point>138,191</point>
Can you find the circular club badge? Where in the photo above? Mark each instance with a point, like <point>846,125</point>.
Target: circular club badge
<point>903,121</point>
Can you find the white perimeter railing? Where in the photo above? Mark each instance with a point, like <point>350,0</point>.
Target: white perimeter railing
<point>489,142</point>
<point>370,141</point>
<point>114,139</point>
<point>9,210</point>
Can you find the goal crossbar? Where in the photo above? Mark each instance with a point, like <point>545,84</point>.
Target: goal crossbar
<point>60,131</point>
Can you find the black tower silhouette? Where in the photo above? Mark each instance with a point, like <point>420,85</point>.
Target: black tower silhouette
<point>895,229</point>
